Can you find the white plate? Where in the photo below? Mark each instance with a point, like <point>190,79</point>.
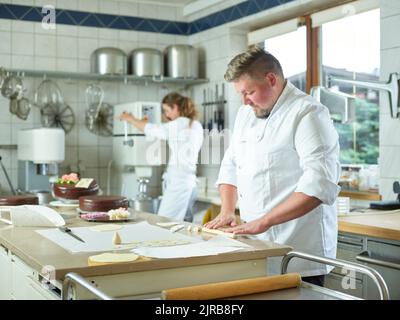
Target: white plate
<point>61,204</point>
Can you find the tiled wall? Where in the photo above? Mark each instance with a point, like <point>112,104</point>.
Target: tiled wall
<point>26,45</point>
<point>389,149</point>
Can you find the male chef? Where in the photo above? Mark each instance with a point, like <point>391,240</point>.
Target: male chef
<point>281,165</point>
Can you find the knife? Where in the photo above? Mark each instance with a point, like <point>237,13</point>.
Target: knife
<point>70,233</point>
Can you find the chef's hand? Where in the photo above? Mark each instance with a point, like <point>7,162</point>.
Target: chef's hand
<point>126,116</point>
<point>253,227</point>
<point>221,220</point>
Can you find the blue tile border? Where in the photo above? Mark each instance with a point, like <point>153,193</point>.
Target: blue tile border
<point>101,20</point>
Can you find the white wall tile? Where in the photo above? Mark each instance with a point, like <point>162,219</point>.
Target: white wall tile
<point>88,6</point>
<point>45,63</point>
<point>67,30</point>
<point>5,60</point>
<point>71,138</point>
<point>22,62</point>
<point>148,10</point>
<point>109,7</point>
<point>389,131</point>
<point>22,26</point>
<point>22,43</point>
<point>5,115</point>
<point>389,8</point>
<point>22,2</point>
<point>67,4</point>
<point>84,65</point>
<point>38,28</point>
<point>5,137</point>
<point>45,45</point>
<point>88,32</point>
<point>89,156</point>
<point>131,36</point>
<point>67,65</point>
<point>67,47</point>
<point>389,159</point>
<point>86,46</point>
<point>388,40</point>
<point>128,9</point>
<point>41,3</point>
<point>106,33</point>
<point>85,137</point>
<point>5,38</point>
<point>5,25</point>
<point>105,155</point>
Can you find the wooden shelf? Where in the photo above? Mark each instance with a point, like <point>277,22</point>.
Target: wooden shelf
<point>361,195</point>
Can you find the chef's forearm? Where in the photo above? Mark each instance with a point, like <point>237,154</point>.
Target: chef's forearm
<point>228,194</point>
<point>297,205</point>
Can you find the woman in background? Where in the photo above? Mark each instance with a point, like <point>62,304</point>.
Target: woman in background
<point>185,138</point>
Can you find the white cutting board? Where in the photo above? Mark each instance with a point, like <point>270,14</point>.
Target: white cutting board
<point>96,241</point>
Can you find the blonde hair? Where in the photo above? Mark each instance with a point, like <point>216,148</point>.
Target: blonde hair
<point>255,62</point>
<point>186,106</point>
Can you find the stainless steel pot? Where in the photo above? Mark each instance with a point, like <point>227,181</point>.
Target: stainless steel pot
<point>44,196</point>
<point>147,62</point>
<point>146,204</point>
<point>109,60</point>
<point>182,61</point>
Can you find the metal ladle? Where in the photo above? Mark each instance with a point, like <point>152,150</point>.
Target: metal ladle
<point>392,87</point>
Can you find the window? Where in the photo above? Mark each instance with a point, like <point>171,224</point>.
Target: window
<point>350,50</point>
<point>294,64</point>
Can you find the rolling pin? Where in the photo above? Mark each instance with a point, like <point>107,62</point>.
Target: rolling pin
<point>233,288</point>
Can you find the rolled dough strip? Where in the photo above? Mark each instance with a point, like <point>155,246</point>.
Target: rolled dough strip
<point>234,288</point>
<point>167,224</point>
<point>106,227</point>
<point>216,231</point>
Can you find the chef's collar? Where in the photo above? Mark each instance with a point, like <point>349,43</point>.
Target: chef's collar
<point>288,87</point>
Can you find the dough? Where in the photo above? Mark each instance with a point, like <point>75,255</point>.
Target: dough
<point>116,238</point>
<point>106,227</point>
<point>166,224</point>
<point>114,257</point>
<point>177,228</point>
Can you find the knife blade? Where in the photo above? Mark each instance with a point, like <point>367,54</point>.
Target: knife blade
<point>70,233</point>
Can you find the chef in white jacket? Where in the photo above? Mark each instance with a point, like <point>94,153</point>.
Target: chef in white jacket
<point>282,165</point>
<point>185,138</point>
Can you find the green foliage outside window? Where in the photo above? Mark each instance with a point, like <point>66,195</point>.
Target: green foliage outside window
<point>359,141</point>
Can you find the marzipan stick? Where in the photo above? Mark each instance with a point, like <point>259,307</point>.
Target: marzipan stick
<point>234,288</point>
<point>216,231</point>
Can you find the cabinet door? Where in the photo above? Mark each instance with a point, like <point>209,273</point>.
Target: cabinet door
<point>24,283</point>
<point>5,274</point>
<point>384,258</point>
<point>335,282</point>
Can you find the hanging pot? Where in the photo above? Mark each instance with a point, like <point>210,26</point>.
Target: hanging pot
<point>147,62</point>
<point>109,60</point>
<point>182,61</point>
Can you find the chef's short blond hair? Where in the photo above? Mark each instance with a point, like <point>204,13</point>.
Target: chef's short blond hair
<point>255,63</point>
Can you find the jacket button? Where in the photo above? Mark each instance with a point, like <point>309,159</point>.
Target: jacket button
<point>240,195</point>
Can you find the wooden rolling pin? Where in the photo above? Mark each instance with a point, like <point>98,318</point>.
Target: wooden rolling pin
<point>234,288</point>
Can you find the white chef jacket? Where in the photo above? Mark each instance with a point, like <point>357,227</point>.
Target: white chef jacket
<point>184,143</point>
<point>296,149</point>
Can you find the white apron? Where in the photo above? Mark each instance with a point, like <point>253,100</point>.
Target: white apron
<point>180,191</point>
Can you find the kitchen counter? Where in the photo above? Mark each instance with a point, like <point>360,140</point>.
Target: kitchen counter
<point>37,252</point>
<point>374,223</point>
